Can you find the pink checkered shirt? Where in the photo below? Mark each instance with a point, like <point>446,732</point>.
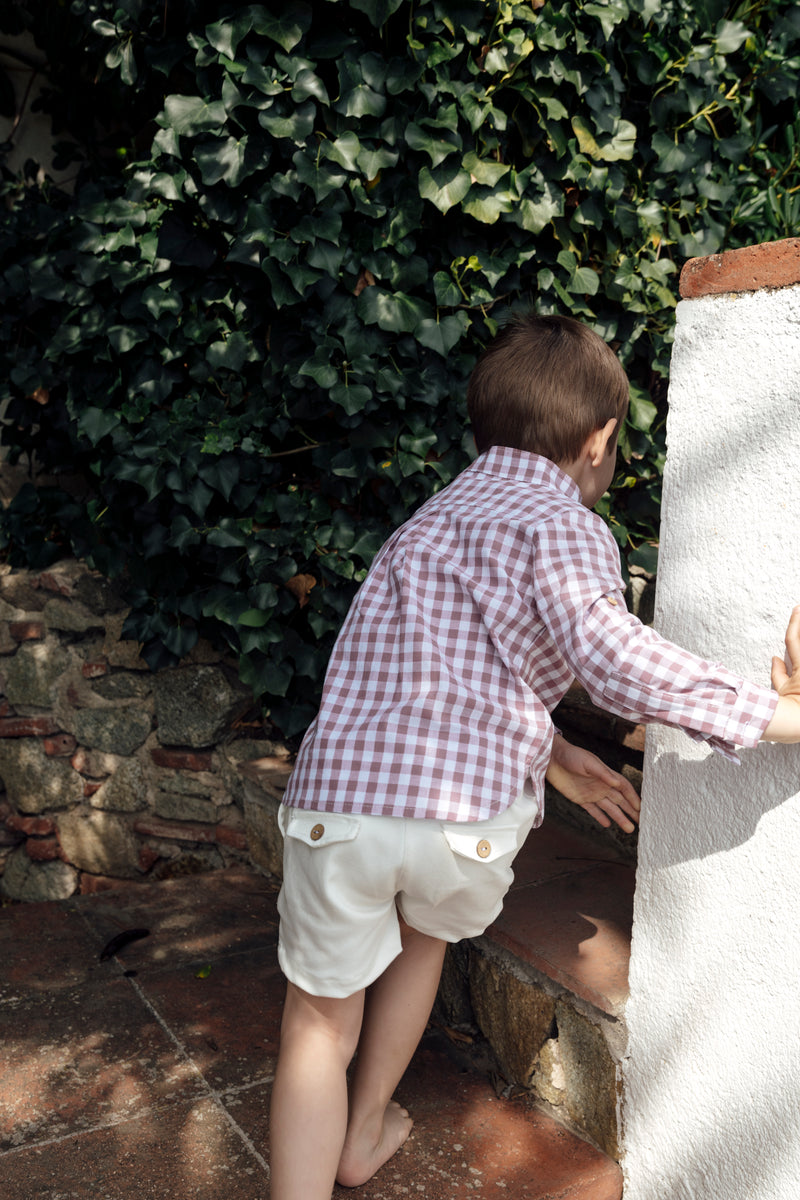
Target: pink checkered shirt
<point>467,632</point>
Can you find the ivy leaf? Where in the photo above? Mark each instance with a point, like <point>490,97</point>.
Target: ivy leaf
<point>231,353</point>
<point>445,186</point>
<point>378,11</point>
<point>443,334</point>
<point>393,311</point>
<point>730,35</point>
<point>296,125</point>
<point>222,160</point>
<point>437,149</point>
<point>487,206</point>
<point>287,29</point>
<point>352,398</point>
<point>96,423</point>
<point>619,146</point>
<point>641,412</point>
<point>225,35</point>
<point>484,170</point>
<point>190,115</point>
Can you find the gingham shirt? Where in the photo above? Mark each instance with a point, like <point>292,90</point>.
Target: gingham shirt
<point>466,633</point>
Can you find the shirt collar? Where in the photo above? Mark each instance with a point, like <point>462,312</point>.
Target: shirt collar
<point>529,468</point>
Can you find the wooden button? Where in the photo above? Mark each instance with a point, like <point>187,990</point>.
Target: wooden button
<point>484,848</point>
<point>317,832</point>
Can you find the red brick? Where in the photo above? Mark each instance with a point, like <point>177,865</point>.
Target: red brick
<point>180,831</point>
<point>89,885</point>
<point>40,826</point>
<point>749,269</point>
<point>90,786</point>
<point>182,760</point>
<point>60,746</point>
<point>26,631</point>
<point>28,726</point>
<point>52,582</point>
<point>5,707</point>
<point>148,857</point>
<point>227,836</point>
<point>43,849</point>
<point>93,670</point>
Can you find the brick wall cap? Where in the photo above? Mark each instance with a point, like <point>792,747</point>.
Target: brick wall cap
<point>749,269</point>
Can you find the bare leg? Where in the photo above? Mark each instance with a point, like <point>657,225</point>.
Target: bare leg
<point>308,1116</point>
<point>397,1009</point>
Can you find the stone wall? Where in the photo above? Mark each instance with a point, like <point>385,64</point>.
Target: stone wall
<point>110,773</point>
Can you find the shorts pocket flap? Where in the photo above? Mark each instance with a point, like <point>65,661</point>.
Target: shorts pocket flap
<point>482,847</point>
<point>318,828</point>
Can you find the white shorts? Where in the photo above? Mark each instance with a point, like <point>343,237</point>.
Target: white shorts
<point>347,876</point>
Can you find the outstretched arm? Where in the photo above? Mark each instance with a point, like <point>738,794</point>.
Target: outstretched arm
<point>586,781</point>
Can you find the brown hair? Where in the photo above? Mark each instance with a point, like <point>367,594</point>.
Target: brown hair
<point>544,385</point>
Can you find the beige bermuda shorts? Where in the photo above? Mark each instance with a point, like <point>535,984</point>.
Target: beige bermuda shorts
<point>346,877</point>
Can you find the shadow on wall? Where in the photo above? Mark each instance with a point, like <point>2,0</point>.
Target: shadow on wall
<point>766,779</point>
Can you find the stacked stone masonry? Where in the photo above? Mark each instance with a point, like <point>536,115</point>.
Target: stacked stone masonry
<point>111,774</point>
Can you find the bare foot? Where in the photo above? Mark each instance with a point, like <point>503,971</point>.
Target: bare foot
<point>361,1157</point>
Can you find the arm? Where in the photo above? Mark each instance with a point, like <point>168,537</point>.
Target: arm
<point>589,783</point>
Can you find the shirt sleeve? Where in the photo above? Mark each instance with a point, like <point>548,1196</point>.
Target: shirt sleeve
<point>626,667</point>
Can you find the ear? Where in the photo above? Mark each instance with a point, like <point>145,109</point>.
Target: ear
<point>599,443</point>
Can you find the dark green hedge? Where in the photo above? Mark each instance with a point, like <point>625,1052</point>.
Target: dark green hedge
<point>250,329</point>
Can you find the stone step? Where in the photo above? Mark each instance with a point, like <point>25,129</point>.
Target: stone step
<point>547,983</point>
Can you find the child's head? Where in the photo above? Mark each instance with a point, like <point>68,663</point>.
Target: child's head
<point>545,384</point>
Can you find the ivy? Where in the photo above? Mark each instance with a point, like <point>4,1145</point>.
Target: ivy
<point>248,332</point>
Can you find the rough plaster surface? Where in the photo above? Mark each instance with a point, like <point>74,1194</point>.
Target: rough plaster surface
<point>712,1076</point>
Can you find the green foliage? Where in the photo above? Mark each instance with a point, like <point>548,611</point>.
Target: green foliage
<point>252,341</point>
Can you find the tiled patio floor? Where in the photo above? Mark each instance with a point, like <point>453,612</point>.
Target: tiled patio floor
<point>147,1076</point>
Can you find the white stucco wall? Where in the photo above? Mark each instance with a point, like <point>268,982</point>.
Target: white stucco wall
<point>712,1078</point>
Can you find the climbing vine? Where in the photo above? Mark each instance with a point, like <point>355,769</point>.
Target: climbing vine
<point>246,335</point>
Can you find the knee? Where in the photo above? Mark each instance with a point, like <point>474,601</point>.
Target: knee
<point>335,1023</point>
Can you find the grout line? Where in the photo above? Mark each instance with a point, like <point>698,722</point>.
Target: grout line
<point>183,1055</point>
<point>212,1092</point>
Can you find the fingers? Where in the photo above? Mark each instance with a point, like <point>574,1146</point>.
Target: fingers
<point>595,811</point>
<point>627,797</point>
<point>792,641</point>
<point>615,808</point>
<point>778,675</point>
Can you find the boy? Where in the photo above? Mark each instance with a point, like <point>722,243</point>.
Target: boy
<point>424,770</point>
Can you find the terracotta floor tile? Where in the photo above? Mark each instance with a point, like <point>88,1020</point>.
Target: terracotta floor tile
<point>228,1022</point>
<point>466,1143</point>
<point>74,1060</point>
<point>230,912</point>
<point>156,1086</point>
<point>576,930</point>
<point>190,1150</point>
<point>43,948</point>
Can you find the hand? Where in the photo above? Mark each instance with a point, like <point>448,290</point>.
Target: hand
<point>785,724</point>
<point>586,781</point>
<point>788,683</point>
